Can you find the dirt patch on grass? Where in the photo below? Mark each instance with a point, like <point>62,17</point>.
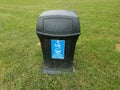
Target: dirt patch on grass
<point>38,44</point>
<point>118,47</point>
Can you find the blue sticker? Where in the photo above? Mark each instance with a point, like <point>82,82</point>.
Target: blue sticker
<point>57,49</point>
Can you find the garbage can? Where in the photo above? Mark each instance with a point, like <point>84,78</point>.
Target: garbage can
<point>58,31</point>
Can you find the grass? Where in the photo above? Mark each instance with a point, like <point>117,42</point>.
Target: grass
<point>96,60</point>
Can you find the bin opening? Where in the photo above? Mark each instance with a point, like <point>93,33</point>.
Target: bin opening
<point>57,26</point>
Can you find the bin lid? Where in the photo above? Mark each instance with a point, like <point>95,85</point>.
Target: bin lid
<point>58,23</point>
<point>59,12</point>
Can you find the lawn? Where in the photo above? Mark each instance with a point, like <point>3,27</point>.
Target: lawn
<point>96,59</point>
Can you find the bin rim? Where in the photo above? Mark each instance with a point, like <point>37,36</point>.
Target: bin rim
<point>57,35</point>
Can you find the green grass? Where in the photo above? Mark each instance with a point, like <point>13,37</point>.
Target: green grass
<point>97,62</point>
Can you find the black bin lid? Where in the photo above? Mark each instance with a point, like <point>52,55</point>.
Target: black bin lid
<point>58,23</point>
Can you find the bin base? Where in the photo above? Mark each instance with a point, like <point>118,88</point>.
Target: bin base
<point>47,70</point>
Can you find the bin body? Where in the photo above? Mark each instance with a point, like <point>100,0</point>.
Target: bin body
<point>58,31</point>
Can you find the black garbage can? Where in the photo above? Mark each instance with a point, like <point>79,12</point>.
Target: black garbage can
<point>58,31</point>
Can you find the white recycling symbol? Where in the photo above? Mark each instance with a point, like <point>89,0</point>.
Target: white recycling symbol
<point>58,47</point>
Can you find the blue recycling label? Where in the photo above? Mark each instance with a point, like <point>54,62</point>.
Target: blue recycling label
<point>57,49</point>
